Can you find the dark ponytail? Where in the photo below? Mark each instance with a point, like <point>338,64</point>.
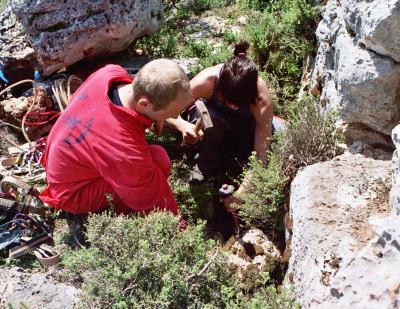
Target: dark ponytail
<point>240,48</point>
<point>238,78</point>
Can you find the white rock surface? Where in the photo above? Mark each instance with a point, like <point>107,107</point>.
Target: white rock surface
<point>331,206</point>
<point>352,78</point>
<point>264,254</point>
<point>395,192</point>
<point>376,24</point>
<point>63,32</point>
<point>20,289</point>
<point>372,278</point>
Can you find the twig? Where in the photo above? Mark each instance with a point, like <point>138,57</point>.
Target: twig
<point>203,270</point>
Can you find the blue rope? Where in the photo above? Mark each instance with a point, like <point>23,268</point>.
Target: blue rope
<point>3,77</point>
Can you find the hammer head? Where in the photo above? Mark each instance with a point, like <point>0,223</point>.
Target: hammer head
<point>204,115</point>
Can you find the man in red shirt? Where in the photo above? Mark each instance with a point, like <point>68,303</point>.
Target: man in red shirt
<point>97,148</point>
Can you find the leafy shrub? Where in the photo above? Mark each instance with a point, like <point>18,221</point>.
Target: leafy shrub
<point>162,43</point>
<point>282,37</point>
<point>256,4</point>
<point>264,195</point>
<point>199,6</point>
<point>193,201</point>
<point>147,262</point>
<point>208,55</point>
<point>310,137</point>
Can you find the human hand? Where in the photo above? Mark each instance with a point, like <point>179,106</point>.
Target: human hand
<point>229,202</point>
<point>188,133</point>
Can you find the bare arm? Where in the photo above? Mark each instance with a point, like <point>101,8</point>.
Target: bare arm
<point>263,114</point>
<point>202,86</point>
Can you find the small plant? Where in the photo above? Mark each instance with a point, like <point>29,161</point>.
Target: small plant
<point>208,55</point>
<point>193,201</point>
<point>160,44</point>
<point>282,37</point>
<point>263,200</point>
<point>310,137</point>
<point>3,4</point>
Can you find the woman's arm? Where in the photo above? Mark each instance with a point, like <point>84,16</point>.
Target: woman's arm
<point>263,114</point>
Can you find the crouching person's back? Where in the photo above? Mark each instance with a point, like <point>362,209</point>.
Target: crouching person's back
<point>97,148</point>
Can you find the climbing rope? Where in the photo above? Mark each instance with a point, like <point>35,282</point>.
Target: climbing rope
<point>62,90</point>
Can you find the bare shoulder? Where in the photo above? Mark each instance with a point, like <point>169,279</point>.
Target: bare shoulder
<point>264,98</point>
<point>202,84</point>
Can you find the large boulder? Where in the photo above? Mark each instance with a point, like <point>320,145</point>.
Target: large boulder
<point>60,33</point>
<point>376,24</point>
<point>352,78</point>
<point>346,236</point>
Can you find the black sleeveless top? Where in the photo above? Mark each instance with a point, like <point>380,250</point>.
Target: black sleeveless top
<point>241,119</point>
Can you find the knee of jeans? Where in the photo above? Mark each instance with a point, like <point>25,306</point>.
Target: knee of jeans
<point>160,158</point>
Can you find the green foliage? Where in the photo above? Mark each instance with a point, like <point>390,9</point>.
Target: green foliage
<point>256,4</point>
<point>147,262</point>
<point>264,195</point>
<point>199,6</point>
<point>208,55</point>
<point>310,137</point>
<point>282,37</point>
<point>193,201</point>
<point>163,43</point>
<point>3,4</point>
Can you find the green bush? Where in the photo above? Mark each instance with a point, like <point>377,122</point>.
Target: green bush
<point>163,43</point>
<point>282,37</point>
<point>256,4</point>
<point>194,201</point>
<point>310,137</point>
<point>147,262</point>
<point>208,55</point>
<point>144,262</point>
<point>263,200</point>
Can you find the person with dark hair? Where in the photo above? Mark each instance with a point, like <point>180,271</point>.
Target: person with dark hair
<point>241,110</point>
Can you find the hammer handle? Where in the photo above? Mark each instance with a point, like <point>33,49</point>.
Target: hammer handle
<point>197,126</point>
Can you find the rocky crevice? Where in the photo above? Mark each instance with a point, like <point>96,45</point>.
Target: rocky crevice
<point>352,77</point>
<point>55,35</point>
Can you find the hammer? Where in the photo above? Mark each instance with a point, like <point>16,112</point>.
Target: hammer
<point>204,122</point>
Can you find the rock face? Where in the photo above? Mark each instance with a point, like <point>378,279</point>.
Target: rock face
<point>61,33</point>
<point>20,289</point>
<point>357,69</point>
<point>395,192</point>
<point>253,251</point>
<point>346,237</point>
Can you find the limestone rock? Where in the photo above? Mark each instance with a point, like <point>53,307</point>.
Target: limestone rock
<point>376,24</point>
<point>22,290</point>
<point>253,251</point>
<point>395,192</point>
<point>63,33</point>
<point>331,205</point>
<point>372,278</point>
<point>363,87</point>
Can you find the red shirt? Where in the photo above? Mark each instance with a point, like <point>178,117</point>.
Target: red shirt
<point>96,148</point>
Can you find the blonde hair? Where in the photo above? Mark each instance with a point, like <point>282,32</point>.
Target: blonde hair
<point>161,81</point>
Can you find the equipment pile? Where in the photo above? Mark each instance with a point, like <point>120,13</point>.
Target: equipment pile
<point>25,222</point>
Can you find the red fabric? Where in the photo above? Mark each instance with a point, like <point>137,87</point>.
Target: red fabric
<point>97,148</point>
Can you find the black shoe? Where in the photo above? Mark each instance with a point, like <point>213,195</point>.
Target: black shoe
<point>77,228</point>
